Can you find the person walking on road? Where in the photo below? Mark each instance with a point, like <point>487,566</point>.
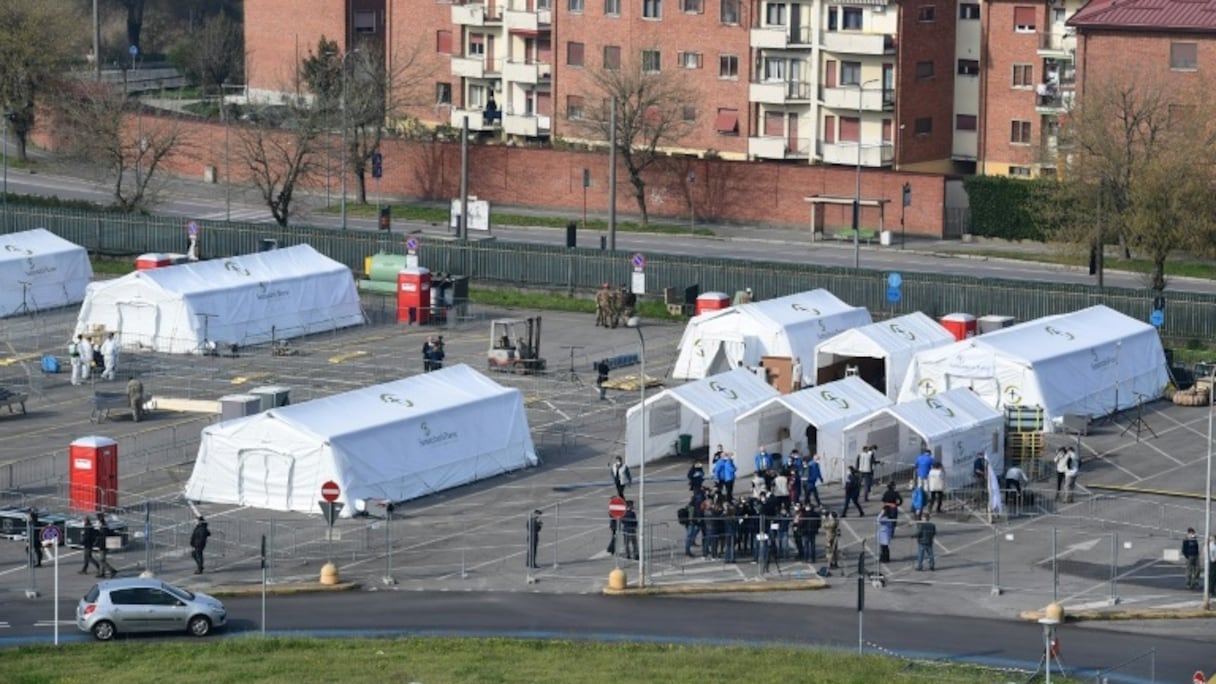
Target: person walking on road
<point>867,461</point>
<point>937,486</point>
<point>601,378</point>
<point>34,539</point>
<point>814,475</point>
<point>1190,551</point>
<point>76,360</point>
<point>852,490</point>
<point>88,540</point>
<point>925,533</point>
<point>103,548</point>
<point>198,542</point>
<point>109,356</point>
<point>1212,565</point>
<point>621,477</point>
<point>831,527</point>
<point>629,529</point>
<point>1061,469</point>
<point>534,525</point>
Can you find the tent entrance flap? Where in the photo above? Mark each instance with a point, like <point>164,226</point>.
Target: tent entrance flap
<point>872,370</point>
<point>138,321</point>
<point>265,479</point>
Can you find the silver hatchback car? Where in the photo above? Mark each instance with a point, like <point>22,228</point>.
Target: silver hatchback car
<point>146,605</point>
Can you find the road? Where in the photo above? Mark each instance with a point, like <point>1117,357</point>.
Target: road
<point>198,200</point>
<point>701,620</point>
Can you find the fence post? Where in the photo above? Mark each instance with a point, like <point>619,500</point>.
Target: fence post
<point>1114,567</point>
<point>996,563</point>
<point>1055,568</point>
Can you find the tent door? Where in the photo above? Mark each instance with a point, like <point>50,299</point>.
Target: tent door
<point>138,322</point>
<point>265,478</point>
<point>719,355</point>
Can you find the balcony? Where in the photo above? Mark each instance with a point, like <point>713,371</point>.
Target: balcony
<point>781,37</point>
<point>477,119</point>
<point>1053,100</point>
<point>528,72</point>
<point>469,67</point>
<point>845,97</point>
<point>528,125</point>
<point>779,92</point>
<point>779,147</point>
<point>845,153</point>
<point>857,42</point>
<point>1058,44</point>
<point>476,14</point>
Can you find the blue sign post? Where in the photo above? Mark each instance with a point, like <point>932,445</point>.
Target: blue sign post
<point>1157,318</point>
<point>894,282</point>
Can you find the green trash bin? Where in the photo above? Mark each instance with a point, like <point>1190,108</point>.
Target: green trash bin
<point>685,444</point>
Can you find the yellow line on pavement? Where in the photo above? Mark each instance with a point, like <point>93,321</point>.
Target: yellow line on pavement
<point>1146,490</point>
<point>4,363</point>
<point>242,379</point>
<point>339,358</point>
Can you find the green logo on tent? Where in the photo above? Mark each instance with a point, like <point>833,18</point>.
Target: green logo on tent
<point>906,334</point>
<point>697,343</point>
<point>937,405</point>
<point>1059,333</point>
<point>926,387</point>
<point>390,398</point>
<point>1013,395</point>
<point>839,402</point>
<point>230,265</point>
<point>15,248</point>
<point>798,307</point>
<point>730,393</point>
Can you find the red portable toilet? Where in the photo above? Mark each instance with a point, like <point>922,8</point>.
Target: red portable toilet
<point>93,474</point>
<point>152,260</point>
<point>960,325</point>
<point>711,301</point>
<point>414,295</point>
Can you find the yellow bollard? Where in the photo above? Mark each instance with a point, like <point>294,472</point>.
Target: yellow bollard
<point>616,579</point>
<point>329,574</point>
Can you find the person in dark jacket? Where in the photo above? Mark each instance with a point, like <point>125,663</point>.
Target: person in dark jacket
<point>852,491</point>
<point>88,541</point>
<point>198,542</point>
<point>103,551</point>
<point>1190,551</point>
<point>34,542</point>
<point>534,526</point>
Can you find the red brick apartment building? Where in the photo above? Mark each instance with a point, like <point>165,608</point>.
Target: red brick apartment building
<point>932,85</point>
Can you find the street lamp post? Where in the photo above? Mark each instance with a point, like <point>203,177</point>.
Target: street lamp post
<point>227,159</point>
<point>342,170</point>
<point>1207,502</point>
<point>861,87</point>
<point>692,207</point>
<point>636,323</point>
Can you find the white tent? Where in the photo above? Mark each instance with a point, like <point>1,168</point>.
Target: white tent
<point>705,410</point>
<point>1093,362</point>
<point>396,441</point>
<point>880,352</point>
<point>250,299</point>
<point>788,326</point>
<point>811,420</point>
<point>956,426</point>
<point>40,270</point>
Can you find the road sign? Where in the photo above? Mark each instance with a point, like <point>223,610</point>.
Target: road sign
<point>894,294</point>
<point>330,491</point>
<point>1157,318</point>
<point>411,244</point>
<point>134,50</point>
<point>192,229</point>
<point>639,261</point>
<point>894,280</point>
<point>377,165</point>
<point>616,507</point>
<point>49,535</point>
<point>1198,678</point>
<point>330,510</point>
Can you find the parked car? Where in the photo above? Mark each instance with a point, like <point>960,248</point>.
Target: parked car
<point>146,605</point>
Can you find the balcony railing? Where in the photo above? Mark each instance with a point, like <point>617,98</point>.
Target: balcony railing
<point>529,125</point>
<point>856,42</point>
<point>1053,99</point>
<point>846,97</point>
<point>1058,42</point>
<point>476,13</point>
<point>526,71</point>
<point>779,147</point>
<point>779,92</point>
<point>777,37</point>
<point>845,153</point>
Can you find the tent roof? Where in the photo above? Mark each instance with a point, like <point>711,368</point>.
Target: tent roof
<point>910,332</point>
<point>943,414</point>
<point>830,403</point>
<point>361,410</point>
<point>785,311</point>
<point>206,276</point>
<point>1053,336</point>
<point>723,395</point>
<point>29,243</point>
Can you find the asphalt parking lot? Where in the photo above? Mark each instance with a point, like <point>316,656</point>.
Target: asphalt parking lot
<point>1109,547</point>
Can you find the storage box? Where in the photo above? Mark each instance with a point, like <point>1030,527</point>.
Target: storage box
<point>961,325</point>
<point>712,301</point>
<point>989,323</point>
<point>272,396</point>
<point>239,406</point>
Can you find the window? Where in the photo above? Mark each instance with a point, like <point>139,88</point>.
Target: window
<point>652,61</point>
<point>575,6</point>
<point>829,129</point>
<point>1019,133</point>
<point>774,69</point>
<point>477,45</point>
<point>612,57</point>
<point>1058,15</point>
<point>852,18</point>
<point>968,67</point>
<point>1023,19</point>
<point>1023,75</point>
<point>833,18</point>
<point>728,66</point>
<point>689,60</point>
<point>850,129</point>
<point>443,93</point>
<point>365,22</point>
<point>730,12</point>
<point>727,122</point>
<point>926,13</point>
<point>443,42</point>
<point>692,6</point>
<point>1019,171</point>
<point>965,122</point>
<point>574,107</point>
<point>652,9</point>
<point>850,73</point>
<point>1184,56</point>
<point>689,113</point>
<point>124,597</point>
<point>969,10</point>
<point>924,70</point>
<point>574,54</point>
<point>477,97</point>
<point>923,126</point>
<point>612,8</point>
<point>774,14</point>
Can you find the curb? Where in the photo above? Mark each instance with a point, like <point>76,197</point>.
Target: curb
<point>809,584</point>
<point>1124,614</point>
<point>236,591</point>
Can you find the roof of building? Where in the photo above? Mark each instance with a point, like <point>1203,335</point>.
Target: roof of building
<point>1154,15</point>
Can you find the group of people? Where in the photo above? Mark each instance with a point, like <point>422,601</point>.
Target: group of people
<point>1191,552</point>
<point>432,354</point>
<point>614,307</point>
<point>93,537</point>
<point>84,357</point>
<point>1067,467</point>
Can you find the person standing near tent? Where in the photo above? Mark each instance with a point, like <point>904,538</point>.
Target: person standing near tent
<point>1070,476</point>
<point>534,525</point>
<point>831,528</point>
<point>1061,469</point>
<point>603,305</point>
<point>198,542</point>
<point>796,375</point>
<point>85,347</point>
<point>924,463</point>
<point>109,356</point>
<point>103,548</point>
<point>724,475</point>
<point>427,348</point>
<point>814,475</point>
<point>867,461</point>
<point>937,486</point>
<point>437,354</point>
<point>88,540</point>
<point>601,377</point>
<point>76,359</point>
<point>852,491</point>
<point>135,397</point>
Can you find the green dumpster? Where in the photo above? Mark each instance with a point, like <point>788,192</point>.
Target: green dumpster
<point>685,444</point>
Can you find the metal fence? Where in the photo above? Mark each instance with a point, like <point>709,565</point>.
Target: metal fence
<point>1191,315</point>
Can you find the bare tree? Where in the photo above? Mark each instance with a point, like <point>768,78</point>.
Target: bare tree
<point>103,125</point>
<point>655,109</point>
<point>37,41</point>
<point>214,54</point>
<point>280,157</point>
<point>135,20</point>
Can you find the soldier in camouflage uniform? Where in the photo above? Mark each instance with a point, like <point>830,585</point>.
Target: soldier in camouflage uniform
<point>618,306</point>
<point>603,306</point>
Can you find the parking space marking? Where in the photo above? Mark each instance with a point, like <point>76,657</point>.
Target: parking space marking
<point>340,358</point>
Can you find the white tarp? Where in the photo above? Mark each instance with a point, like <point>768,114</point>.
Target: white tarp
<point>956,426</point>
<point>790,326</point>
<point>881,352</point>
<point>395,442</point>
<point>811,420</point>
<point>40,270</point>
<point>250,299</point>
<point>1093,362</point>
<point>705,409</point>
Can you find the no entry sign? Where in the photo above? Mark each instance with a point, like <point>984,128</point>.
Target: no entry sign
<point>616,507</point>
<point>330,491</point>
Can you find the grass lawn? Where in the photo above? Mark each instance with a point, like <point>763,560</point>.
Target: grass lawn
<point>434,661</point>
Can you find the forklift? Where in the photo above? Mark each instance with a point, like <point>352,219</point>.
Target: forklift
<point>515,345</point>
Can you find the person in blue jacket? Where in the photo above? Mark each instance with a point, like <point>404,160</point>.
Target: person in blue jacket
<point>724,475</point>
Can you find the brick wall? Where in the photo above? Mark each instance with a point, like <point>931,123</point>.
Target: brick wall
<point>280,33</point>
<point>932,97</point>
<point>1001,102</point>
<point>1115,55</point>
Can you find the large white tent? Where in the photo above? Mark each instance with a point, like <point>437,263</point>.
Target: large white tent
<point>811,420</point>
<point>396,441</point>
<point>956,426</point>
<point>250,299</point>
<point>879,352</point>
<point>1092,362</point>
<point>705,410</point>
<point>788,326</point>
<point>40,270</point>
